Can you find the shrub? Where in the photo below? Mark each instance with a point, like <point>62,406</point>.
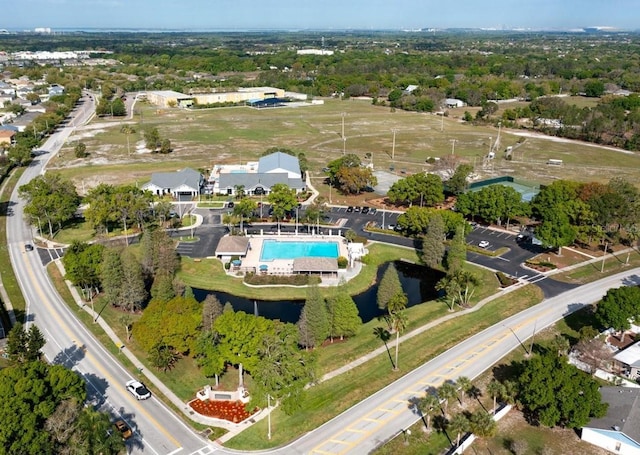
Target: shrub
<point>342,262</point>
<point>366,259</point>
<point>227,265</point>
<point>505,281</point>
<point>293,280</point>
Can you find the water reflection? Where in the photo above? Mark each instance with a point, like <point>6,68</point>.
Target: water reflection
<point>418,283</point>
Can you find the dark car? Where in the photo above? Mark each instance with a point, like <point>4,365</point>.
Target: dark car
<point>349,209</point>
<point>123,429</point>
<point>365,210</point>
<point>230,204</point>
<point>28,247</point>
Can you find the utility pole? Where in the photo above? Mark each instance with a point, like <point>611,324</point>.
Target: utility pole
<point>393,145</point>
<point>343,115</point>
<point>603,256</point>
<point>344,145</point>
<point>453,146</point>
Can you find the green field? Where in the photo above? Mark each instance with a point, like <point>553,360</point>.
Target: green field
<point>205,137</point>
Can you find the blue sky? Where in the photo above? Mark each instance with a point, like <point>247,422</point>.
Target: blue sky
<point>318,14</point>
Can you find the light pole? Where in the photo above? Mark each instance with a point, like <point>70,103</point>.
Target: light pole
<point>297,220</point>
<point>269,417</point>
<point>343,115</point>
<point>344,145</point>
<point>329,191</point>
<point>393,144</point>
<point>453,146</point>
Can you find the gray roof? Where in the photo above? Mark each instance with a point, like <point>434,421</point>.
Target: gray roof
<point>251,181</point>
<point>279,160</point>
<point>623,412</point>
<point>315,265</point>
<point>232,244</point>
<point>189,177</point>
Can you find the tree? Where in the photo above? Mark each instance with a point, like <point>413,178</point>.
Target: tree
<point>482,424</point>
<point>211,310</point>
<point>50,199</point>
<point>384,335</point>
<point>172,325</point>
<point>354,180</point>
<point>24,345</point>
<point>112,276</point>
<point>282,199</point>
<point>495,389</point>
<point>283,370</point>
<point>425,189</point>
<point>163,357</point>
<point>389,286</point>
<point>465,385</point>
<point>94,434</point>
<point>456,255</point>
<point>446,392</point>
<point>556,231</point>
<point>165,146</point>
<point>314,313</point>
<point>80,150</point>
<point>133,292</point>
<point>433,247</point>
<point>397,317</point>
<point>457,183</point>
<point>429,405</point>
<point>82,264</point>
<point>546,377</point>
<point>349,160</point>
<point>344,320</point>
<point>458,425</point>
<point>152,139</point>
<point>244,209</point>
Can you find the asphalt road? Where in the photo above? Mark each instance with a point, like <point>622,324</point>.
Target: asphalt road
<point>157,429</point>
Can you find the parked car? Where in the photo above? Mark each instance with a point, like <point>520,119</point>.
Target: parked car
<point>365,210</point>
<point>356,209</point>
<point>28,247</point>
<point>372,211</point>
<point>123,429</point>
<point>138,389</point>
<point>483,243</point>
<point>391,227</point>
<point>349,209</point>
<point>230,204</point>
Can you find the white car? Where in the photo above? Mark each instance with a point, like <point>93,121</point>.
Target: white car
<point>138,390</point>
<point>483,243</point>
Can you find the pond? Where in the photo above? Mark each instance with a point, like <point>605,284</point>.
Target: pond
<point>418,283</point>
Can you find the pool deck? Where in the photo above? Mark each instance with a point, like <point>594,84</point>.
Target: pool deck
<point>251,262</point>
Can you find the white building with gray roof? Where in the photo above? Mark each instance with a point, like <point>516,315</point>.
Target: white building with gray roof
<point>619,430</point>
<point>183,185</point>
<point>257,178</point>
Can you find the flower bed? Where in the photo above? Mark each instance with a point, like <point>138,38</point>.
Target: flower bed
<point>233,411</point>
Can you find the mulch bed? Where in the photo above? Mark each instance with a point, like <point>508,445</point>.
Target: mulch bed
<point>232,411</point>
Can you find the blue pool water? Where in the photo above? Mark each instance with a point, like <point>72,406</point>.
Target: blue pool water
<point>275,249</point>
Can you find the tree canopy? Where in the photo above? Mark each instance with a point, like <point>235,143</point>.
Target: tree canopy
<point>556,393</point>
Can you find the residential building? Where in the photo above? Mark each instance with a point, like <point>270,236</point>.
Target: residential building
<point>183,185</point>
<point>452,103</point>
<point>619,430</point>
<point>627,361</point>
<point>7,138</point>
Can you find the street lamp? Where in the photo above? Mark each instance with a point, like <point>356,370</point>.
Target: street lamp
<point>269,417</point>
<point>393,145</point>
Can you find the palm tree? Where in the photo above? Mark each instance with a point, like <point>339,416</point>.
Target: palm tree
<point>384,336</point>
<point>397,318</point>
<point>459,424</point>
<point>482,424</point>
<point>239,190</point>
<point>445,392</point>
<point>495,389</point>
<point>464,383</point>
<point>428,405</point>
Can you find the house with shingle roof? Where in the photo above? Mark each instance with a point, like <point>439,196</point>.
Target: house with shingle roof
<point>183,185</point>
<point>619,430</point>
<point>258,178</point>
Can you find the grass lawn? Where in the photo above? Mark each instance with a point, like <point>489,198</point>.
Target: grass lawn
<point>241,134</point>
<point>9,280</point>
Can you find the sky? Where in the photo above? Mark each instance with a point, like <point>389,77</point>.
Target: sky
<point>318,14</point>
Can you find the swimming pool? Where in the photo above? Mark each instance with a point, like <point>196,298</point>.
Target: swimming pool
<point>276,249</point>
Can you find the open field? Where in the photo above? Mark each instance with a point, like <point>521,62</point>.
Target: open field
<point>203,137</point>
